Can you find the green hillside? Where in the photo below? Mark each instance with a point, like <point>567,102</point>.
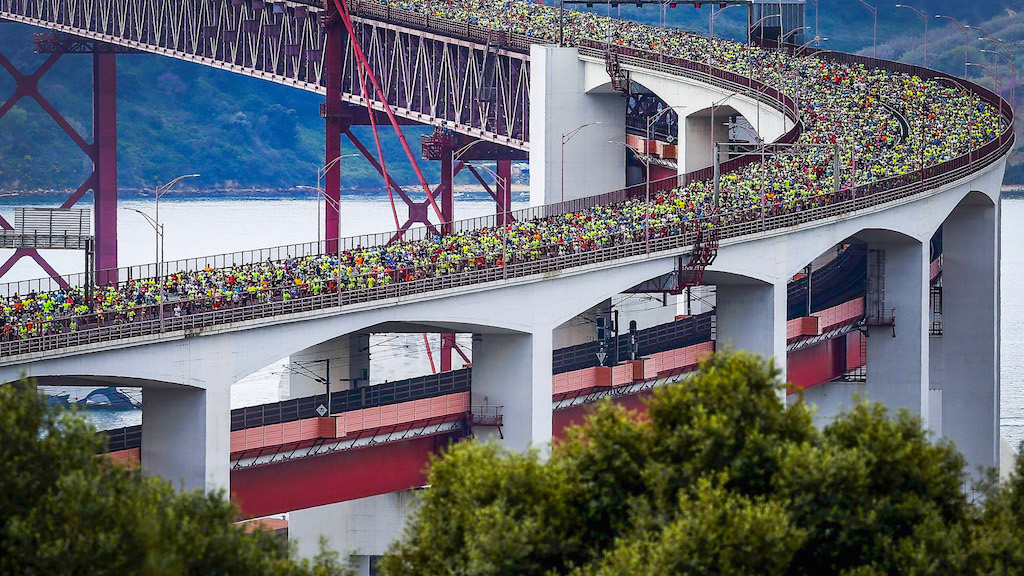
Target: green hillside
<point>242,133</point>
<point>174,117</point>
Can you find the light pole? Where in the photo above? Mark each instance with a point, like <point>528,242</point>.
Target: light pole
<point>816,30</point>
<point>158,249</point>
<point>762,19</point>
<point>160,191</point>
<point>963,28</point>
<point>997,82</point>
<point>714,16</point>
<point>782,37</point>
<point>925,20</point>
<point>1009,60</point>
<point>320,173</point>
<point>565,138</point>
<point>458,153</point>
<point>874,41</point>
<point>816,40</point>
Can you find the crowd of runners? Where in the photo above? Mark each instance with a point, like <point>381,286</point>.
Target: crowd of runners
<point>883,123</point>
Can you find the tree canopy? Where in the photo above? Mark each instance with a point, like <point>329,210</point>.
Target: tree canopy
<point>65,510</point>
<point>719,477</point>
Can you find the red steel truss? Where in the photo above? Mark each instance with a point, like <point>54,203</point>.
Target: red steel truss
<point>102,151</point>
<point>479,88</point>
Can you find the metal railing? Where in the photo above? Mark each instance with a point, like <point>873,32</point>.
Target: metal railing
<point>282,300</point>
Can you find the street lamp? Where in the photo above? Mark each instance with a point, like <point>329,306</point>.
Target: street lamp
<point>816,40</point>
<point>714,16</point>
<point>762,19</point>
<point>963,28</point>
<point>997,43</point>
<point>925,20</point>
<point>997,81</point>
<point>565,138</point>
<point>782,38</point>
<point>458,153</point>
<point>158,229</point>
<point>874,41</point>
<point>1013,72</point>
<point>320,174</point>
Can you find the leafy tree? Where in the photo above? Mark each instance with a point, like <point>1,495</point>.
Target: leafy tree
<point>720,477</point>
<point>65,510</point>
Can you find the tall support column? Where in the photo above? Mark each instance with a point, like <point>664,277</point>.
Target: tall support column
<point>504,190</point>
<point>104,126</point>
<point>514,371</point>
<point>186,435</point>
<point>334,122</point>
<point>559,106</point>
<point>445,194</point>
<point>965,358</point>
<point>897,367</point>
<point>752,317</point>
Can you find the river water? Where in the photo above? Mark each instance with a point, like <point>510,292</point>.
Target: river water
<point>197,227</point>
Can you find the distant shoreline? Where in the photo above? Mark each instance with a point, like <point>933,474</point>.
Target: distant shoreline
<point>465,191</point>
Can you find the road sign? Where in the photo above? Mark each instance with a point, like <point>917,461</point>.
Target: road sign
<point>321,410</point>
<point>601,356</point>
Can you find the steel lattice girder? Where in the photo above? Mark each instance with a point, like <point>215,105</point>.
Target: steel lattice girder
<point>428,78</point>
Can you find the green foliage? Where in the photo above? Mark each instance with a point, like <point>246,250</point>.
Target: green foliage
<point>721,477</point>
<point>64,510</point>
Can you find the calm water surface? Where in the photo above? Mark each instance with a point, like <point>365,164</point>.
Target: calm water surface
<point>211,226</point>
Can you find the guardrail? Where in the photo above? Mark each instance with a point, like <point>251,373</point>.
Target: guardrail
<point>409,282</point>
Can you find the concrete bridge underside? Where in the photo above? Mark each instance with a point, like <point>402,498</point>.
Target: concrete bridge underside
<point>187,378</point>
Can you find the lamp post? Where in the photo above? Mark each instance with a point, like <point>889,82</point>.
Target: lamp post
<point>714,145</point>
<point>160,191</point>
<point>816,30</point>
<point>874,41</point>
<point>714,16</point>
<point>782,38</point>
<point>816,41</point>
<point>1009,60</point>
<point>762,19</point>
<point>925,20</point>
<point>158,249</point>
<point>565,138</point>
<point>320,173</point>
<point>963,28</point>
<point>996,80</point>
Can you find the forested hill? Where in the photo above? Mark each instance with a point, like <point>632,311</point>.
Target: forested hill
<point>175,117</point>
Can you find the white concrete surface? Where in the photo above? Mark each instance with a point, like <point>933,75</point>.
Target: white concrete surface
<point>965,359</point>
<point>559,104</point>
<point>186,435</point>
<point>897,371</point>
<point>513,371</point>
<point>358,530</point>
<point>751,316</point>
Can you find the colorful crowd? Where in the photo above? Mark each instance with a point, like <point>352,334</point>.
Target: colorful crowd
<point>883,123</point>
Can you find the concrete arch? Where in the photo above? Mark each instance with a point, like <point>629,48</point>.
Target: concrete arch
<point>696,100</point>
